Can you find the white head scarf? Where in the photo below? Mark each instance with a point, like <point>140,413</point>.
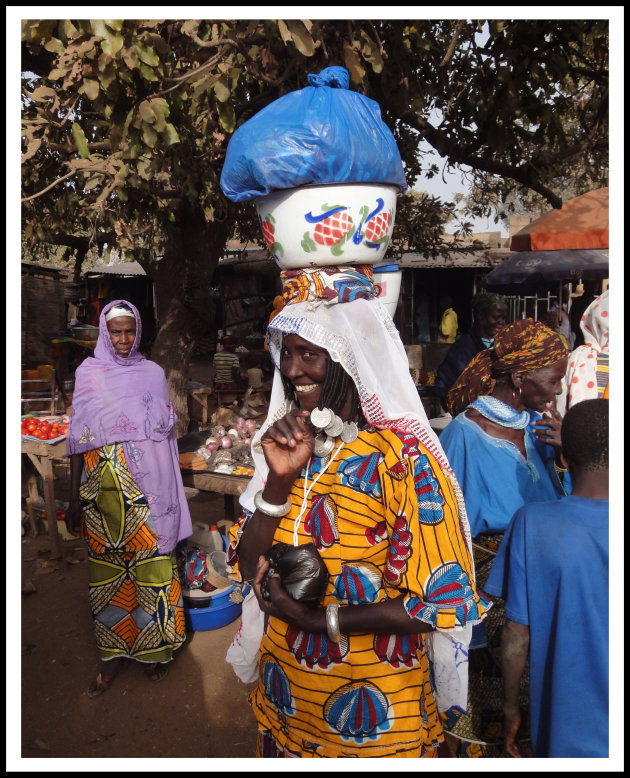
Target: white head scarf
<point>580,380</point>
<point>363,338</point>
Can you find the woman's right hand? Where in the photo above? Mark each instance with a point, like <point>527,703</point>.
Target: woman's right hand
<point>288,445</point>
<point>74,518</point>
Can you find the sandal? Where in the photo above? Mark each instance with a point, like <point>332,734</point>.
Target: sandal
<point>99,685</point>
<point>157,671</point>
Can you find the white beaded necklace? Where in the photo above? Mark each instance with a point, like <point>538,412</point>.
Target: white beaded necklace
<point>296,523</point>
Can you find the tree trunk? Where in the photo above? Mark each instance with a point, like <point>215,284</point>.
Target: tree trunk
<point>185,309</point>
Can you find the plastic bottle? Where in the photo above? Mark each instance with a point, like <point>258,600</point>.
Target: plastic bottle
<point>207,536</point>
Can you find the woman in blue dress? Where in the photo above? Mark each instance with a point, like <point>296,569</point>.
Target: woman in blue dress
<point>504,447</point>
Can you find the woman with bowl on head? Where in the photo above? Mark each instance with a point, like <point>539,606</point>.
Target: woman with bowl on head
<point>347,460</point>
<point>504,446</point>
<point>131,504</point>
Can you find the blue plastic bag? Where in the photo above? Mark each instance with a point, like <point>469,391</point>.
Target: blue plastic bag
<point>322,134</point>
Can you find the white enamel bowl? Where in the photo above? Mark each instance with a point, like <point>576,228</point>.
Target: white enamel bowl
<point>328,224</point>
<point>388,288</point>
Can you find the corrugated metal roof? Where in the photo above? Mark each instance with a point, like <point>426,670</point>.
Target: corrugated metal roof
<point>487,258</point>
<point>119,269</point>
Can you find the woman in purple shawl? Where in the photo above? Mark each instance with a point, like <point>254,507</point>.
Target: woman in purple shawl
<point>131,503</point>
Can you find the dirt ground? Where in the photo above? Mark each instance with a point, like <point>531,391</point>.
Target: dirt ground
<point>199,710</point>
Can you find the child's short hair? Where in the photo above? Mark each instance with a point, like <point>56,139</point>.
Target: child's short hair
<point>584,435</point>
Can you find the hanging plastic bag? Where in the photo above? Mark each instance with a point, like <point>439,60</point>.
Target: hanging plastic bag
<point>322,134</point>
<point>243,651</point>
<point>448,655</point>
<point>302,572</point>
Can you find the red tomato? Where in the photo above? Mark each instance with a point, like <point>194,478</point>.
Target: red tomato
<point>63,429</point>
<point>53,434</point>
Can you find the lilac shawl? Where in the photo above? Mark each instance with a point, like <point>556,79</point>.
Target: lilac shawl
<point>125,400</point>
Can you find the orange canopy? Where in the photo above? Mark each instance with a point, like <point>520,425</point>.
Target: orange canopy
<point>581,223</point>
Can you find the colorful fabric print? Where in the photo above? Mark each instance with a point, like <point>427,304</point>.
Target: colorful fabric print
<point>361,472</point>
<point>135,591</point>
<point>361,697</point>
<point>448,586</point>
<point>358,711</point>
<point>377,533</point>
<point>331,283</point>
<point>397,650</point>
<point>399,551</point>
<point>276,685</point>
<point>430,500</point>
<point>315,650</point>
<point>321,521</point>
<point>358,584</point>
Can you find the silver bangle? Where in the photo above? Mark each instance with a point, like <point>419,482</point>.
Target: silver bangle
<point>332,622</point>
<point>275,511</point>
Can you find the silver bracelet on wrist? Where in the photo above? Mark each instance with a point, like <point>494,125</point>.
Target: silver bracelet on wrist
<point>332,622</point>
<point>275,511</point>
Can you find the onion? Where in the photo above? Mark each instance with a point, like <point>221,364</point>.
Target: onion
<point>226,441</point>
<point>212,444</point>
<point>240,423</point>
<point>250,425</point>
<point>233,433</point>
<point>219,432</point>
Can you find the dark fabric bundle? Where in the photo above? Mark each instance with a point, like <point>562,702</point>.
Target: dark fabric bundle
<point>302,572</point>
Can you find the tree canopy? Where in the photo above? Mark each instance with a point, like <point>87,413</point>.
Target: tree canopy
<point>126,124</point>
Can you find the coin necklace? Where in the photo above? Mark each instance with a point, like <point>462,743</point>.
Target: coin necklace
<point>330,426</point>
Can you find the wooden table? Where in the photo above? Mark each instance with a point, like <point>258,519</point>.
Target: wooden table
<point>230,486</point>
<point>41,455</point>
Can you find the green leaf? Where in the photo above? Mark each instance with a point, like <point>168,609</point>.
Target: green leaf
<point>91,88</point>
<point>170,135</point>
<point>227,116</point>
<point>301,38</point>
<point>80,140</point>
<point>55,45</point>
<point>284,31</point>
<point>353,63</point>
<point>42,93</point>
<point>221,90</point>
<point>146,112</point>
<point>114,24</point>
<point>149,135</point>
<point>147,55</point>
<point>112,44</point>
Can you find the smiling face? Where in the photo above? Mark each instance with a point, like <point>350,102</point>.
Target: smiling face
<point>539,387</point>
<point>492,319</point>
<point>122,332</point>
<point>305,365</point>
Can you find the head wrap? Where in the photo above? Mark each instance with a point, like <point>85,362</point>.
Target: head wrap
<point>484,300</point>
<point>580,381</point>
<point>521,346</point>
<point>118,310</point>
<point>125,400</point>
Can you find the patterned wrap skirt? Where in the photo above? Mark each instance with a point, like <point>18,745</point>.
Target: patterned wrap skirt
<point>480,730</point>
<point>135,591</point>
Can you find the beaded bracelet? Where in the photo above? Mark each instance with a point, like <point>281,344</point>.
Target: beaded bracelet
<point>275,511</point>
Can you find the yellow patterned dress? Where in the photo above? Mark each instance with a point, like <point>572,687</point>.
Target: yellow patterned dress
<point>385,521</point>
<point>135,591</point>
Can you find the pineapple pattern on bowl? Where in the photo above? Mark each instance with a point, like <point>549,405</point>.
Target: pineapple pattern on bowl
<point>355,230</point>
